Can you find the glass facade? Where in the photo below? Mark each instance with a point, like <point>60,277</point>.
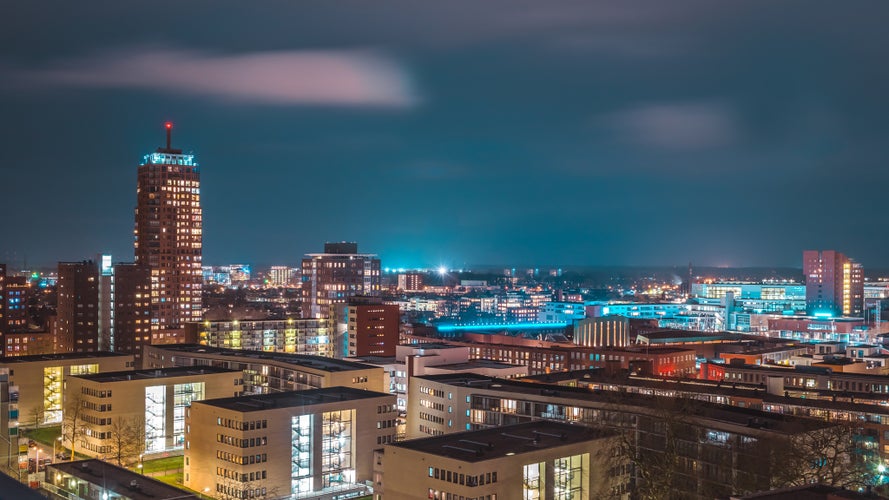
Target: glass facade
<point>155,418</point>
<point>301,455</point>
<point>52,394</point>
<point>183,395</point>
<point>533,481</point>
<point>337,467</point>
<point>570,477</point>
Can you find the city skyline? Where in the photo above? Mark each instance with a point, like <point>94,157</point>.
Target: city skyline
<point>587,135</point>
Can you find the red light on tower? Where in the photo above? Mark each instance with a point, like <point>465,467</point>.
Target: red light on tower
<point>169,127</point>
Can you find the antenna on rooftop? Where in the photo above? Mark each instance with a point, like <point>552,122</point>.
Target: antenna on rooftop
<point>169,127</point>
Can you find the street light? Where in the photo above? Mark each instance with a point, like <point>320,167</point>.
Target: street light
<point>36,459</point>
<point>140,464</point>
<point>56,440</point>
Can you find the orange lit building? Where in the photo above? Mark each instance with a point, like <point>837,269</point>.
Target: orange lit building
<point>168,239</point>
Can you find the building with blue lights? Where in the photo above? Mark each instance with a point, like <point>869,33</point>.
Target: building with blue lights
<point>834,284</point>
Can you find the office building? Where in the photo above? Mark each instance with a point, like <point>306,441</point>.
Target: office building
<point>266,372</point>
<point>153,400</point>
<point>334,276</point>
<point>834,284</point>
<point>168,238</point>
<point>78,306</point>
<point>530,460</point>
<point>38,381</point>
<point>289,444</point>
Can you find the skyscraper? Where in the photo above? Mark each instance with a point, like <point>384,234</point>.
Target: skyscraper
<point>834,284</point>
<point>335,275</point>
<point>168,239</point>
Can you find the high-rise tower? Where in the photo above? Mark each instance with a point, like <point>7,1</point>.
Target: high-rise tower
<point>834,284</point>
<point>168,239</point>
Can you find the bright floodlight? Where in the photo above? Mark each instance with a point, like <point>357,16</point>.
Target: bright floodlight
<point>881,468</point>
<point>442,270</point>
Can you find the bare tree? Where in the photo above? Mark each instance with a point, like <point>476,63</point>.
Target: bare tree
<point>36,414</point>
<point>73,426</point>
<point>126,438</point>
<point>652,446</point>
<point>827,456</point>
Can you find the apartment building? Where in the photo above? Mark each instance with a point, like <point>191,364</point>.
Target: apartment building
<point>298,336</point>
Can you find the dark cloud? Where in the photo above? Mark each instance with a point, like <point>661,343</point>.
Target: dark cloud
<point>512,131</point>
<point>677,126</point>
<point>336,78</point>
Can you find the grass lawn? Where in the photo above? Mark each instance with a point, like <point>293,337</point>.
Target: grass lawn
<point>45,435</point>
<point>162,464</point>
<point>172,479</point>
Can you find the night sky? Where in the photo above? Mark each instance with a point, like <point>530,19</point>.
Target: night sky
<point>454,132</point>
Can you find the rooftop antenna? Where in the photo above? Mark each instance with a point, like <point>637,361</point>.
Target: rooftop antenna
<point>169,127</point>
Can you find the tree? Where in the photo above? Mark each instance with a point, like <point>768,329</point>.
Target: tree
<point>126,438</point>
<point>36,414</point>
<point>827,456</point>
<point>652,446</point>
<point>73,426</point>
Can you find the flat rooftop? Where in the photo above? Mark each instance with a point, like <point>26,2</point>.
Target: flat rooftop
<point>685,335</point>
<point>486,444</point>
<point>62,357</point>
<point>156,373</point>
<point>292,399</point>
<point>633,402</point>
<point>315,362</point>
<point>430,345</point>
<point>119,480</point>
<point>808,370</point>
<point>768,350</point>
<point>719,388</point>
<point>476,363</point>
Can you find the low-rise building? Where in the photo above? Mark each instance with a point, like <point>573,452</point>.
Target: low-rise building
<point>534,460</point>
<point>433,359</point>
<point>301,443</point>
<point>718,449</point>
<point>144,409</point>
<point>266,372</point>
<point>37,381</point>
<point>98,480</point>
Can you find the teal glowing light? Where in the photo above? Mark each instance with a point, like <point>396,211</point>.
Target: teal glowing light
<point>501,326</point>
<point>823,314</point>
